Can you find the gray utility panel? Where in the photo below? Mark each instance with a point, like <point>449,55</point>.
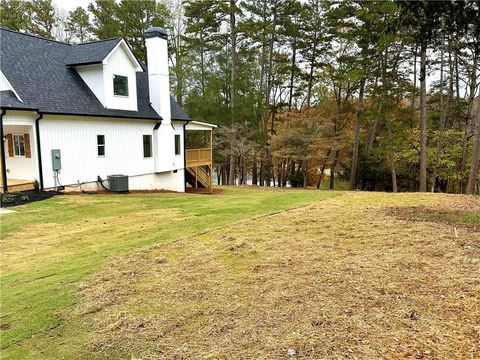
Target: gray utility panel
<point>56,160</point>
<point>118,183</point>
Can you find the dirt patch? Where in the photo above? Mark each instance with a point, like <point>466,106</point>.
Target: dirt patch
<point>455,217</point>
<point>25,197</point>
<point>337,279</point>
<point>215,191</point>
<point>460,218</point>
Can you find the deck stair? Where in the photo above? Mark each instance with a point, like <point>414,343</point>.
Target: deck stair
<point>198,177</point>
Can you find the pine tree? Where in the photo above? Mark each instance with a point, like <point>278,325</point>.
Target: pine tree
<point>43,18</point>
<point>78,26</point>
<point>106,24</point>
<point>136,17</point>
<point>423,19</point>
<point>14,15</point>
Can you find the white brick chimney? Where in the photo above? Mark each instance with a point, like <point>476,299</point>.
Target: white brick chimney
<point>158,78</point>
<point>159,92</point>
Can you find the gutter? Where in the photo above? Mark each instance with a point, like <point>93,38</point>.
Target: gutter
<point>133,117</point>
<point>39,153</point>
<point>2,151</point>
<point>18,108</point>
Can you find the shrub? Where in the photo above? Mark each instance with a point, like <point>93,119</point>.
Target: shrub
<point>36,186</point>
<point>7,199</point>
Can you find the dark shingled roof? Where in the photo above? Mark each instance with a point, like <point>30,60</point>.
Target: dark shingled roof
<point>9,100</point>
<point>91,53</point>
<point>38,70</point>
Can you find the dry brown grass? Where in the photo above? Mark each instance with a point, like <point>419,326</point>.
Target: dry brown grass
<point>342,278</point>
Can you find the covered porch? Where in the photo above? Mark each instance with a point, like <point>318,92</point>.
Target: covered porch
<point>19,167</point>
<point>199,155</point>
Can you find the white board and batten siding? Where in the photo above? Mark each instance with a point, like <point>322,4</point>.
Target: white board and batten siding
<point>76,137</point>
<point>21,167</point>
<point>99,78</point>
<point>119,62</point>
<point>93,77</point>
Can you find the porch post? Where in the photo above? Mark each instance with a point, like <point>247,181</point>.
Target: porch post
<point>211,161</point>
<point>2,151</point>
<point>39,149</point>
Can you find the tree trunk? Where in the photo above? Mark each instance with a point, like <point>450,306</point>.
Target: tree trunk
<point>312,69</point>
<point>423,117</point>
<point>457,78</point>
<point>373,131</point>
<point>305,173</point>
<point>470,116</point>
<point>473,177</point>
<point>356,141</point>
<point>392,157</point>
<point>414,91</point>
<point>233,80</point>
<point>243,168</point>
<point>262,171</point>
<point>322,171</point>
<point>444,109</point>
<point>264,163</point>
<point>285,172</point>
<point>332,169</point>
<point>254,170</point>
<point>226,174</point>
<point>292,73</point>
<point>281,172</point>
<point>231,175</point>
<point>202,65</point>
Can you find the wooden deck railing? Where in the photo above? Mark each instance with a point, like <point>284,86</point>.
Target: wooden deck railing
<point>198,157</point>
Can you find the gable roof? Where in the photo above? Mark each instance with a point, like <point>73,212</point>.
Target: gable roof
<point>91,53</point>
<point>38,69</point>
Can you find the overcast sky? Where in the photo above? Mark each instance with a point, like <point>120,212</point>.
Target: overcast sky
<point>71,4</point>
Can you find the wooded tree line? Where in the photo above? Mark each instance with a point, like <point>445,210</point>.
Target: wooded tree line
<point>380,94</point>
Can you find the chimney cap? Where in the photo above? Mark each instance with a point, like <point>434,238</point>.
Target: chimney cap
<point>156,32</point>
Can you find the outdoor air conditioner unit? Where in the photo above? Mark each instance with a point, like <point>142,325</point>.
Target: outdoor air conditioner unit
<point>118,183</point>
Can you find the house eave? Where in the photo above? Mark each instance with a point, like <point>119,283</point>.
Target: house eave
<point>103,116</point>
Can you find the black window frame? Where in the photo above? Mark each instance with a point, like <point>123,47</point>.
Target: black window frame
<point>115,89</point>
<point>101,145</point>
<point>177,145</point>
<point>150,146</point>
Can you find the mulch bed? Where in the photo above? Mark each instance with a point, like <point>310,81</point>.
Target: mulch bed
<point>204,191</point>
<point>25,197</point>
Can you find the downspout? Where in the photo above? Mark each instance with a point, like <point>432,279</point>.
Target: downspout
<point>2,150</point>
<point>39,152</point>
<point>184,158</point>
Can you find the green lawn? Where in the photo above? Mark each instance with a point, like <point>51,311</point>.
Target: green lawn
<point>49,247</point>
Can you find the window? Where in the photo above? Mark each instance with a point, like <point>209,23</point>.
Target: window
<point>19,145</point>
<point>147,146</point>
<point>177,144</point>
<point>120,85</point>
<point>101,145</point>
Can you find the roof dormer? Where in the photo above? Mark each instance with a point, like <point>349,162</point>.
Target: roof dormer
<point>109,69</point>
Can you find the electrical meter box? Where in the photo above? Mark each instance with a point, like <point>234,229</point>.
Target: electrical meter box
<point>56,160</point>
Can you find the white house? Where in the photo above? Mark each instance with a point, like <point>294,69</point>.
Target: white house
<point>71,115</point>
